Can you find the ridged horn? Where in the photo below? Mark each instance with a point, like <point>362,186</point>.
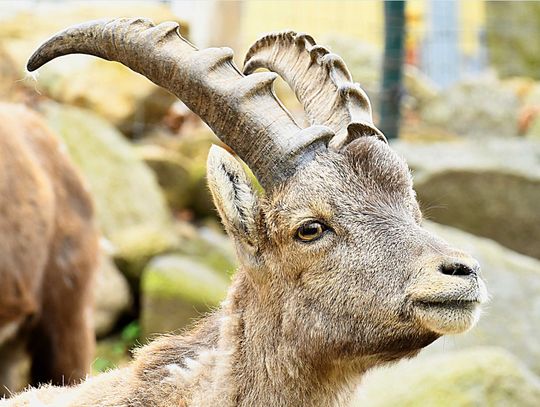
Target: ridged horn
<point>242,110</point>
<point>321,82</point>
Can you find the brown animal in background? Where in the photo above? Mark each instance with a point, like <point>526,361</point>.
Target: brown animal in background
<point>48,247</point>
<point>337,275</point>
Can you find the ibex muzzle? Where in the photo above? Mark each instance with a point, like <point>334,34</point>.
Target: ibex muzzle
<point>337,274</point>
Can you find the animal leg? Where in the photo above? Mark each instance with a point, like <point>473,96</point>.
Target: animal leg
<point>14,367</point>
<point>62,345</point>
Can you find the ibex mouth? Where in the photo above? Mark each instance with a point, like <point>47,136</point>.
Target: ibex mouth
<point>453,294</point>
<point>447,316</point>
<point>450,304</point>
<point>447,304</point>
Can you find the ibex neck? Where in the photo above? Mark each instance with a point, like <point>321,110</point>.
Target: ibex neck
<point>256,365</point>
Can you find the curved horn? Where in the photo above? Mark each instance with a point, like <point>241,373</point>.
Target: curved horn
<point>321,82</point>
<point>242,110</point>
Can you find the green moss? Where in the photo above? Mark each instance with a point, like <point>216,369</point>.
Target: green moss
<point>211,248</point>
<point>116,351</point>
<point>176,290</point>
<point>175,276</point>
<point>137,245</point>
<point>473,378</point>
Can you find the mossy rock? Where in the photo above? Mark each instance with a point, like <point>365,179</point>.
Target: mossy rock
<point>176,290</point>
<point>208,244</point>
<point>138,245</point>
<point>131,210</point>
<point>481,377</point>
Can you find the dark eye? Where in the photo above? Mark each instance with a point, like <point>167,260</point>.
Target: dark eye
<point>310,231</point>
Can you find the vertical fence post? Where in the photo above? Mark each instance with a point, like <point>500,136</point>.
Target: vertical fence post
<point>394,33</point>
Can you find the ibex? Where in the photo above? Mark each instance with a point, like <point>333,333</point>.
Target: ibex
<point>48,246</point>
<point>337,275</point>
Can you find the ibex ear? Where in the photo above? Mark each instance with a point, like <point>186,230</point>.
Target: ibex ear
<point>234,198</point>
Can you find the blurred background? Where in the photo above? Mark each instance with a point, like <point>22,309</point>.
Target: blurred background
<point>461,102</point>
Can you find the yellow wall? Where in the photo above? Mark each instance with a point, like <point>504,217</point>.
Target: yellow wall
<point>362,19</point>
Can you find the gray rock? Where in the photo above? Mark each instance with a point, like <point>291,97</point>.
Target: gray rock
<point>112,296</point>
<point>172,173</point>
<point>131,210</point>
<point>481,377</point>
<point>479,109</point>
<point>176,290</point>
<point>179,163</point>
<point>489,188</point>
<point>511,319</point>
<point>209,244</point>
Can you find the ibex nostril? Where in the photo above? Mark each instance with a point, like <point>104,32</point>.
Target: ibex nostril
<point>457,269</point>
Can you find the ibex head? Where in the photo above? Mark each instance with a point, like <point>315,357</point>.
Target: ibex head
<point>335,247</point>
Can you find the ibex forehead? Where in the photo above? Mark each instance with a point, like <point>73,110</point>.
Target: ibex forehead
<point>366,166</point>
<point>374,161</point>
<point>367,174</point>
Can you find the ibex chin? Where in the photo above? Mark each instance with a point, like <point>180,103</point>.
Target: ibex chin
<point>337,275</point>
<point>48,246</point>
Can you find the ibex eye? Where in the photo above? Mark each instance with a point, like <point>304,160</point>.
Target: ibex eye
<point>310,231</point>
